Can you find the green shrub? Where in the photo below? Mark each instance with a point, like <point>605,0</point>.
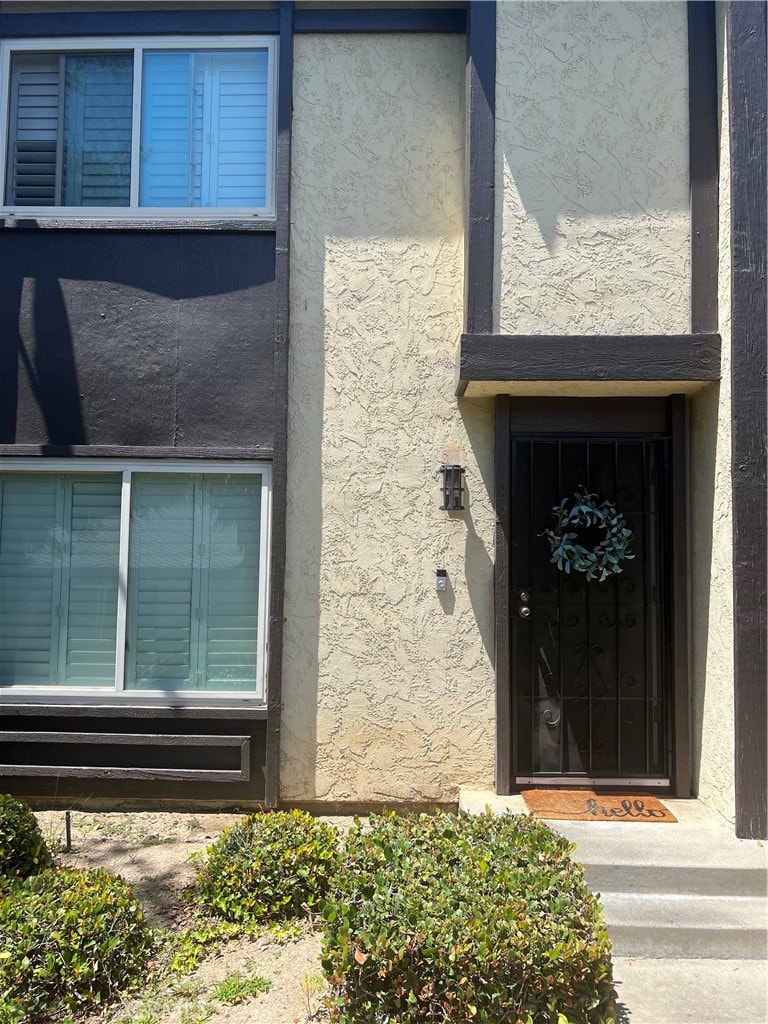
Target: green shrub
<point>68,939</point>
<point>22,847</point>
<point>446,918</point>
<point>269,866</point>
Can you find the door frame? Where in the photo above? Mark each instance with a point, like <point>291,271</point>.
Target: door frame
<point>546,415</point>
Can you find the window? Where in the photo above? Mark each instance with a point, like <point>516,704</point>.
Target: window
<point>137,580</point>
<point>162,126</point>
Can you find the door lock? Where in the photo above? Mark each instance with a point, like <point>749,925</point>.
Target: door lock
<point>525,611</point>
<point>524,596</point>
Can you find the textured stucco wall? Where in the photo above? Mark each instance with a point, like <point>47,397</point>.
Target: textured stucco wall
<point>592,226</point>
<point>388,686</point>
<point>711,539</point>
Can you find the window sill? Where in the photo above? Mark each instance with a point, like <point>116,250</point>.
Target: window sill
<point>13,222</point>
<point>56,706</point>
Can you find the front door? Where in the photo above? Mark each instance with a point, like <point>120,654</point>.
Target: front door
<point>589,703</point>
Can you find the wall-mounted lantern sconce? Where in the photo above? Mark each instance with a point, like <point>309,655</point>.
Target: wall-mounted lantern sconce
<point>452,488</point>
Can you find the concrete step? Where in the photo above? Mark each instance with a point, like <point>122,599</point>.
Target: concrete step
<point>677,879</point>
<point>679,991</point>
<point>687,891</point>
<point>687,927</point>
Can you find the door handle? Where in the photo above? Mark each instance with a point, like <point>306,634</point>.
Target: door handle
<point>524,611</point>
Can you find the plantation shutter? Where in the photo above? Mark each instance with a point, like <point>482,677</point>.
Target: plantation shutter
<point>193,582</point>
<point>94,548</point>
<point>59,549</point>
<point>34,129</point>
<point>30,578</point>
<point>162,583</point>
<point>229,153</point>
<point>97,130</point>
<point>232,598</point>
<point>165,130</point>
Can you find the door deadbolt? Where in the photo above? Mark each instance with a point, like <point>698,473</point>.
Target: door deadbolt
<point>524,596</point>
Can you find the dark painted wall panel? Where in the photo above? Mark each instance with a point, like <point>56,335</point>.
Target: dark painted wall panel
<point>225,378</point>
<point>127,338</point>
<point>63,791</point>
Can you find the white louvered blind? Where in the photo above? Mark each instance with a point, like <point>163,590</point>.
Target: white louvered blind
<point>232,595</point>
<point>34,130</point>
<point>193,582</point>
<point>160,582</point>
<point>59,548</point>
<point>94,543</point>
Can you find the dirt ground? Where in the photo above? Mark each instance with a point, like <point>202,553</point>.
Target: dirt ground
<point>153,851</point>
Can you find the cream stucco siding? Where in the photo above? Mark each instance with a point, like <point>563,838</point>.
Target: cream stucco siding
<point>387,685</point>
<point>592,225</point>
<point>711,532</point>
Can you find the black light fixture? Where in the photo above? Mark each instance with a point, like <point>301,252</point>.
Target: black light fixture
<point>452,488</point>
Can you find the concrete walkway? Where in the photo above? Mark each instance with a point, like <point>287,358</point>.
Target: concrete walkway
<point>686,909</point>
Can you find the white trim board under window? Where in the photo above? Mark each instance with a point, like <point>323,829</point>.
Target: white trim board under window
<point>136,580</point>
<point>126,127</point>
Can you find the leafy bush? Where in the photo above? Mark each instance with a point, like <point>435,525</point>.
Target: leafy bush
<point>22,847</point>
<point>446,918</point>
<point>268,866</point>
<point>68,939</point>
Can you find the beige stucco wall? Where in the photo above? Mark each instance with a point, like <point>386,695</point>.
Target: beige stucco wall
<point>592,226</point>
<point>711,537</point>
<point>387,686</point>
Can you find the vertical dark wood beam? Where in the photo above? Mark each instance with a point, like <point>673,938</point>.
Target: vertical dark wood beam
<point>479,253</point>
<point>280,460</point>
<point>746,46</point>
<point>502,498</point>
<point>680,766</point>
<point>481,158</point>
<point>703,162</point>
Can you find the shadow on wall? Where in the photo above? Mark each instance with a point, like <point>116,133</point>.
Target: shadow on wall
<point>591,124</point>
<point>127,338</point>
<point>304,527</point>
<point>592,175</point>
<point>478,565</point>
<point>704,420</point>
<point>50,366</point>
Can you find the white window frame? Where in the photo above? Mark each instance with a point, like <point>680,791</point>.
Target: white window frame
<point>127,468</point>
<point>138,44</point>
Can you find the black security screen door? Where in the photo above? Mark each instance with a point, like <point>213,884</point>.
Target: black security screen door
<point>588,667</point>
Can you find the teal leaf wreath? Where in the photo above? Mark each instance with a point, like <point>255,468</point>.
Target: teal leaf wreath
<point>583,512</point>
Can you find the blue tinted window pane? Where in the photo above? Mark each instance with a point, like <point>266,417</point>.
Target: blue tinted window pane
<point>204,129</point>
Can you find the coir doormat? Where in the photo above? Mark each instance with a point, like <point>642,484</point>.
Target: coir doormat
<point>595,805</point>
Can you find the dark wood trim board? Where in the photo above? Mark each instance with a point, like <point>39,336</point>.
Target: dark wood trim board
<point>703,162</point>
<point>76,709</point>
<point>746,45</point>
<point>280,460</point>
<point>239,225</point>
<point>503,667</point>
<point>480,167</point>
<point>99,451</point>
<point>372,19</point>
<point>369,19</point>
<point>52,24</point>
<point>683,357</point>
